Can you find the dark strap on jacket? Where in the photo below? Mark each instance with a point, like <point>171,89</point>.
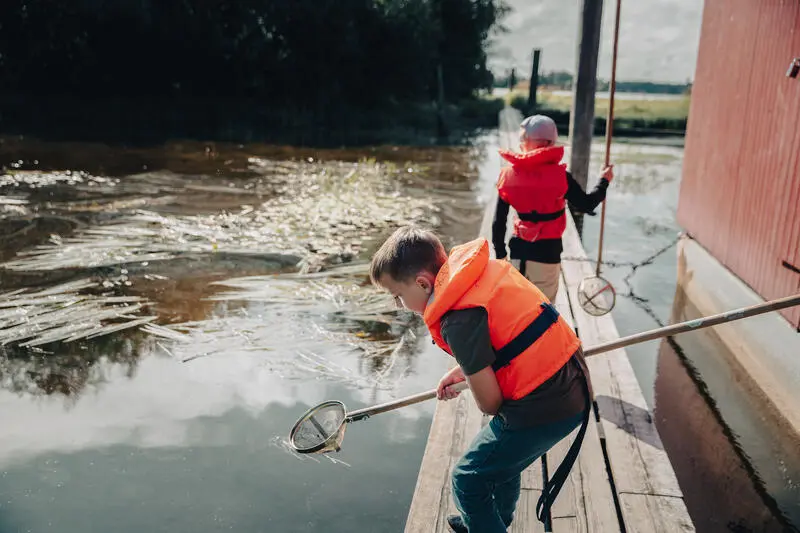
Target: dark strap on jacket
<point>556,481</point>
<point>533,216</point>
<point>526,337</point>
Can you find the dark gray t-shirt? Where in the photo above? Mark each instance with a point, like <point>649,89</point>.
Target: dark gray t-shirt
<point>562,396</point>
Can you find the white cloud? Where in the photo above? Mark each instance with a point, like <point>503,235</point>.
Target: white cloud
<point>658,38</point>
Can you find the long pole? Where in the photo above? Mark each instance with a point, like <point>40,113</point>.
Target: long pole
<point>609,130</point>
<point>584,86</point>
<point>699,323</point>
<point>674,329</point>
<point>534,85</point>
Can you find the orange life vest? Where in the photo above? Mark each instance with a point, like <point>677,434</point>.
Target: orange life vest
<point>535,185</point>
<point>531,340</point>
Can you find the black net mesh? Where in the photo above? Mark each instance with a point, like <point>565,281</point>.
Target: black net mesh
<point>320,425</point>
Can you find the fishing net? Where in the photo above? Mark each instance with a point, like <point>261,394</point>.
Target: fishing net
<point>596,296</point>
<point>633,267</point>
<point>320,429</point>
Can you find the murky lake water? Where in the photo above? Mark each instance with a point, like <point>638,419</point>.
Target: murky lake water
<point>737,468</point>
<point>182,426</point>
<point>250,261</point>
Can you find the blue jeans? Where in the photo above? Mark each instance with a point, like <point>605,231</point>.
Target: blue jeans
<point>486,481</point>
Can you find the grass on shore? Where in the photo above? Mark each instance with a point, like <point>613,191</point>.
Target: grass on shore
<point>670,109</point>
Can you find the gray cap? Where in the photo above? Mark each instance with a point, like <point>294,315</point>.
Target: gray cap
<point>539,128</point>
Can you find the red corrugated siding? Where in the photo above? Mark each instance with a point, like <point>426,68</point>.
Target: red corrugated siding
<point>740,193</point>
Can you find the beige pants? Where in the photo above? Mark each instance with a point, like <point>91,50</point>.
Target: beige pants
<point>543,275</point>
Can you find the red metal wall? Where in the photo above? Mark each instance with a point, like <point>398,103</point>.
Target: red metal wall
<point>740,193</point>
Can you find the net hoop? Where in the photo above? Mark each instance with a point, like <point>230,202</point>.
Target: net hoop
<point>331,443</point>
<point>589,302</point>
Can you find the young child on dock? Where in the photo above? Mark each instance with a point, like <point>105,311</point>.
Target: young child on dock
<point>537,185</point>
<point>520,359</point>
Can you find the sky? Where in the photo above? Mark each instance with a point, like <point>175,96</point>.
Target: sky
<point>658,38</point>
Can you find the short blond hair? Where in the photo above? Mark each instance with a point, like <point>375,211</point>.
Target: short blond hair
<point>407,252</point>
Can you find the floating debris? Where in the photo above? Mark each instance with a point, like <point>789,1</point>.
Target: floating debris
<point>321,212</point>
<point>294,319</point>
<point>65,313</point>
<point>308,224</point>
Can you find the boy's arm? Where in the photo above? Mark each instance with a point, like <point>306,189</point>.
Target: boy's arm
<point>486,390</point>
<point>466,331</point>
<point>499,226</point>
<point>443,390</point>
<point>584,202</point>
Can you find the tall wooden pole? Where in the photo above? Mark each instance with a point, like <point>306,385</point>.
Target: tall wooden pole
<point>584,85</point>
<point>534,81</point>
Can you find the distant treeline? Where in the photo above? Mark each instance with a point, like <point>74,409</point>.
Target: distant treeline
<point>563,80</point>
<point>307,53</point>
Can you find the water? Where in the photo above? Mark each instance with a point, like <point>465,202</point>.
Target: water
<point>736,465</point>
<point>640,221</point>
<point>202,456</point>
<point>184,428</point>
<point>604,95</point>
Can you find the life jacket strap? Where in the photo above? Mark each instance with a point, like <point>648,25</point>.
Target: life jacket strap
<point>534,216</point>
<point>526,337</point>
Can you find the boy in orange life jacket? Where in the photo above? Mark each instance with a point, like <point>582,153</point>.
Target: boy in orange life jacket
<point>521,360</point>
<point>537,185</point>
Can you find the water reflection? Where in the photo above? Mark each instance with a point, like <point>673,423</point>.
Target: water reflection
<point>152,410</point>
<point>183,466</point>
<point>177,425</point>
<point>734,437</point>
<point>71,367</point>
<point>735,466</point>
<point>721,490</point>
<point>641,208</point>
<point>200,215</point>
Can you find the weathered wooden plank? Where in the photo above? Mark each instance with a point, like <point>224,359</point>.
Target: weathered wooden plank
<point>569,501</point>
<point>562,303</point>
<point>469,422</point>
<point>525,520</point>
<point>626,420</point>
<point>532,476</point>
<point>655,513</point>
<point>587,494</point>
<point>566,524</point>
<point>434,470</point>
<point>638,461</point>
<point>597,496</point>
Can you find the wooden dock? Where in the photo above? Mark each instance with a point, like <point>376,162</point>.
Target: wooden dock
<point>622,481</point>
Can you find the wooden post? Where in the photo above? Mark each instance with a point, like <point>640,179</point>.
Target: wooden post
<point>534,81</point>
<point>584,85</point>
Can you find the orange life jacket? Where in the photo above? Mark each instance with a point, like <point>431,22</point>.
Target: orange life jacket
<point>531,340</point>
<point>535,185</point>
